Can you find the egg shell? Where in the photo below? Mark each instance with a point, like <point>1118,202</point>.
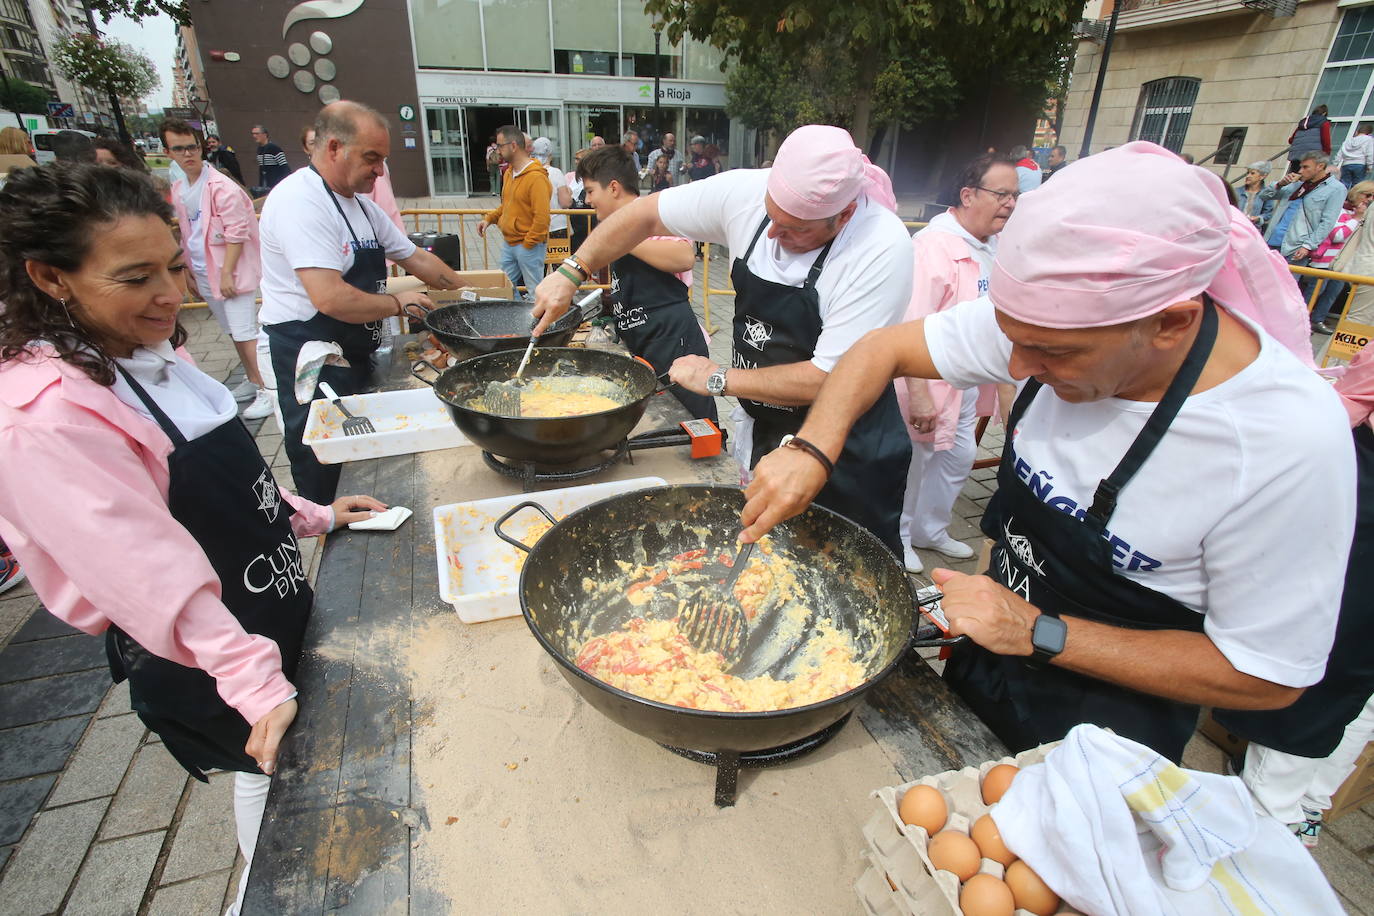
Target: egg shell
<point>1029,891</point>
<point>954,852</point>
<point>996,782</point>
<point>924,806</point>
<point>989,839</point>
<point>984,895</point>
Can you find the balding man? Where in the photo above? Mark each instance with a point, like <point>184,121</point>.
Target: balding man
<point>1170,443</point>
<point>822,258</point>
<point>324,253</point>
<point>597,143</point>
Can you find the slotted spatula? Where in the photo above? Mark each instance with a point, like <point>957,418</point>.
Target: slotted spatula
<point>711,619</point>
<point>503,398</point>
<point>352,426</point>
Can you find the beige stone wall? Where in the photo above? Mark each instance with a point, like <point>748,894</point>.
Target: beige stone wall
<point>1256,71</point>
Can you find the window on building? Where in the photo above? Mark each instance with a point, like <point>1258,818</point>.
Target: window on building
<point>1164,110</point>
<point>448,34</point>
<point>1345,84</point>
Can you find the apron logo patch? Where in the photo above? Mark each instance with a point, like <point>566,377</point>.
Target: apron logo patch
<point>1020,545</point>
<point>757,333</point>
<point>280,571</point>
<point>268,496</point>
<point>630,319</point>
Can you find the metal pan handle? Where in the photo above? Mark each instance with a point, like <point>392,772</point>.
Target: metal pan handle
<point>415,371</point>
<point>514,509</point>
<point>591,305</point>
<point>420,311</point>
<point>939,641</point>
<point>663,383</point>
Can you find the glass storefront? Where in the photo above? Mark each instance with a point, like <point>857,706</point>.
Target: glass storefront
<point>448,154</point>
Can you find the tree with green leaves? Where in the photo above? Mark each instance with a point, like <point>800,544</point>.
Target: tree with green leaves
<point>141,9</point>
<point>871,62</point>
<point>107,66</point>
<point>24,98</point>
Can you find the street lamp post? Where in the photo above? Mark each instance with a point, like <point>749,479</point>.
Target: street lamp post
<point>1101,79</point>
<point>658,71</point>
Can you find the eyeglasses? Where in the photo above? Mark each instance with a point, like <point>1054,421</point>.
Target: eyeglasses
<point>184,149</point>
<point>1002,196</point>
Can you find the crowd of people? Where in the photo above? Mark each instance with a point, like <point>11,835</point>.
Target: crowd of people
<point>1159,340</point>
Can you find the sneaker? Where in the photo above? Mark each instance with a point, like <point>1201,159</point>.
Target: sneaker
<point>263,401</point>
<point>10,573</point>
<point>911,561</point>
<point>244,391</point>
<point>955,550</point>
<point>1309,831</point>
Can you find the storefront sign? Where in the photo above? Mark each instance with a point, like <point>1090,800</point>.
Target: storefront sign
<point>538,89</point>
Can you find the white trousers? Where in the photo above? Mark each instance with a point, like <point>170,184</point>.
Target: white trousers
<point>237,317</point>
<point>934,479</point>
<point>250,799</point>
<point>1283,784</point>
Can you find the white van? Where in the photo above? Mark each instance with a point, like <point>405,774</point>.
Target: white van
<point>42,143</point>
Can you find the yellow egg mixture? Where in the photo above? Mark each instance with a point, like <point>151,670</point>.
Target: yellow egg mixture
<point>540,398</point>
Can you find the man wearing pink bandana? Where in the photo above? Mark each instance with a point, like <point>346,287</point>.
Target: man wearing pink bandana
<point>820,259</point>
<point>1170,447</point>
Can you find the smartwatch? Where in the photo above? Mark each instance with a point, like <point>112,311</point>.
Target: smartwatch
<point>1047,640</point>
<point>715,383</point>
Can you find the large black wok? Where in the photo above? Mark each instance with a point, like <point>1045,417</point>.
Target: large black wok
<point>489,325</point>
<point>545,440</point>
<point>846,572</point>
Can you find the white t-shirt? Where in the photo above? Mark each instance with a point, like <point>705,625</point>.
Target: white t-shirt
<point>865,283</point>
<point>194,402</point>
<point>302,228</point>
<point>557,178</point>
<point>193,242</point>
<point>1244,512</point>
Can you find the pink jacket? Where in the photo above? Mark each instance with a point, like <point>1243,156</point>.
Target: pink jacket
<point>1356,388</point>
<point>945,274</point>
<point>231,219</point>
<point>83,505</point>
<point>383,196</point>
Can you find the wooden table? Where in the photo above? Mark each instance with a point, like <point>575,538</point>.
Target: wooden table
<point>345,808</point>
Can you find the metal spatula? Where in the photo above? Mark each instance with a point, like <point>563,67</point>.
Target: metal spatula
<point>503,398</point>
<point>711,619</point>
<point>352,426</point>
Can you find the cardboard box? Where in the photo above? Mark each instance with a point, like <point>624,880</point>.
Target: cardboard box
<point>1232,744</point>
<point>1358,788</point>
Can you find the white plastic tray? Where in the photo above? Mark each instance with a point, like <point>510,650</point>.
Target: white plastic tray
<point>409,421</point>
<point>479,574</point>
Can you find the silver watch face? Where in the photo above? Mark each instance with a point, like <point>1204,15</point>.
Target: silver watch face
<point>715,383</point>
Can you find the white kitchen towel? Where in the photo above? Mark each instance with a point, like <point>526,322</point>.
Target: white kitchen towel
<point>389,520</point>
<point>1118,830</point>
<point>314,356</point>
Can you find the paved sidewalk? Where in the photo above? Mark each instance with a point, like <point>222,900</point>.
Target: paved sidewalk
<point>96,818</point>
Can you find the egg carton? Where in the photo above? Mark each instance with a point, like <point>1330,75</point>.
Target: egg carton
<point>898,851</point>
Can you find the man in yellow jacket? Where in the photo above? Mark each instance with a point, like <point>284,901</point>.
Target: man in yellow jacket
<point>523,216</point>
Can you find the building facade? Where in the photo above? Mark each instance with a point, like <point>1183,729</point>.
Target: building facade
<point>188,71</point>
<point>52,20</point>
<point>447,73</point>
<point>1195,75</point>
<point>21,50</point>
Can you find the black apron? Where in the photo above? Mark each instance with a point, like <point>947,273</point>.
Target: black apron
<point>1063,565</point>
<point>777,325</point>
<point>223,494</point>
<point>1315,724</point>
<point>654,317</point>
<point>314,481</point>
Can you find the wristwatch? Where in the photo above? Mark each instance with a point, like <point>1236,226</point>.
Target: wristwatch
<point>1047,640</point>
<point>715,383</point>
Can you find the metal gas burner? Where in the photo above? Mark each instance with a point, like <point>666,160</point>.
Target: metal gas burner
<point>729,763</point>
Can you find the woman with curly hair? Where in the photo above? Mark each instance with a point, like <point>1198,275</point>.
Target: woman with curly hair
<point>134,496</point>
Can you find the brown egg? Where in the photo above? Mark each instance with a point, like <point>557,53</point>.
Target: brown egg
<point>997,781</point>
<point>924,806</point>
<point>989,840</point>
<point>1029,891</point>
<point>984,895</point>
<point>954,852</point>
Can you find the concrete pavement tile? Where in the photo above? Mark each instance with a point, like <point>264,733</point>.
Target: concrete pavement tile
<point>5,853</point>
<point>43,868</point>
<point>116,702</point>
<point>19,802</point>
<point>199,895</point>
<point>43,657</point>
<point>1347,872</point>
<point>43,625</point>
<point>52,697</point>
<point>1351,908</point>
<point>268,444</point>
<point>102,760</point>
<point>205,840</point>
<point>15,610</point>
<point>41,748</point>
<point>1355,831</point>
<point>115,877</point>
<point>149,796</point>
<point>231,892</point>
